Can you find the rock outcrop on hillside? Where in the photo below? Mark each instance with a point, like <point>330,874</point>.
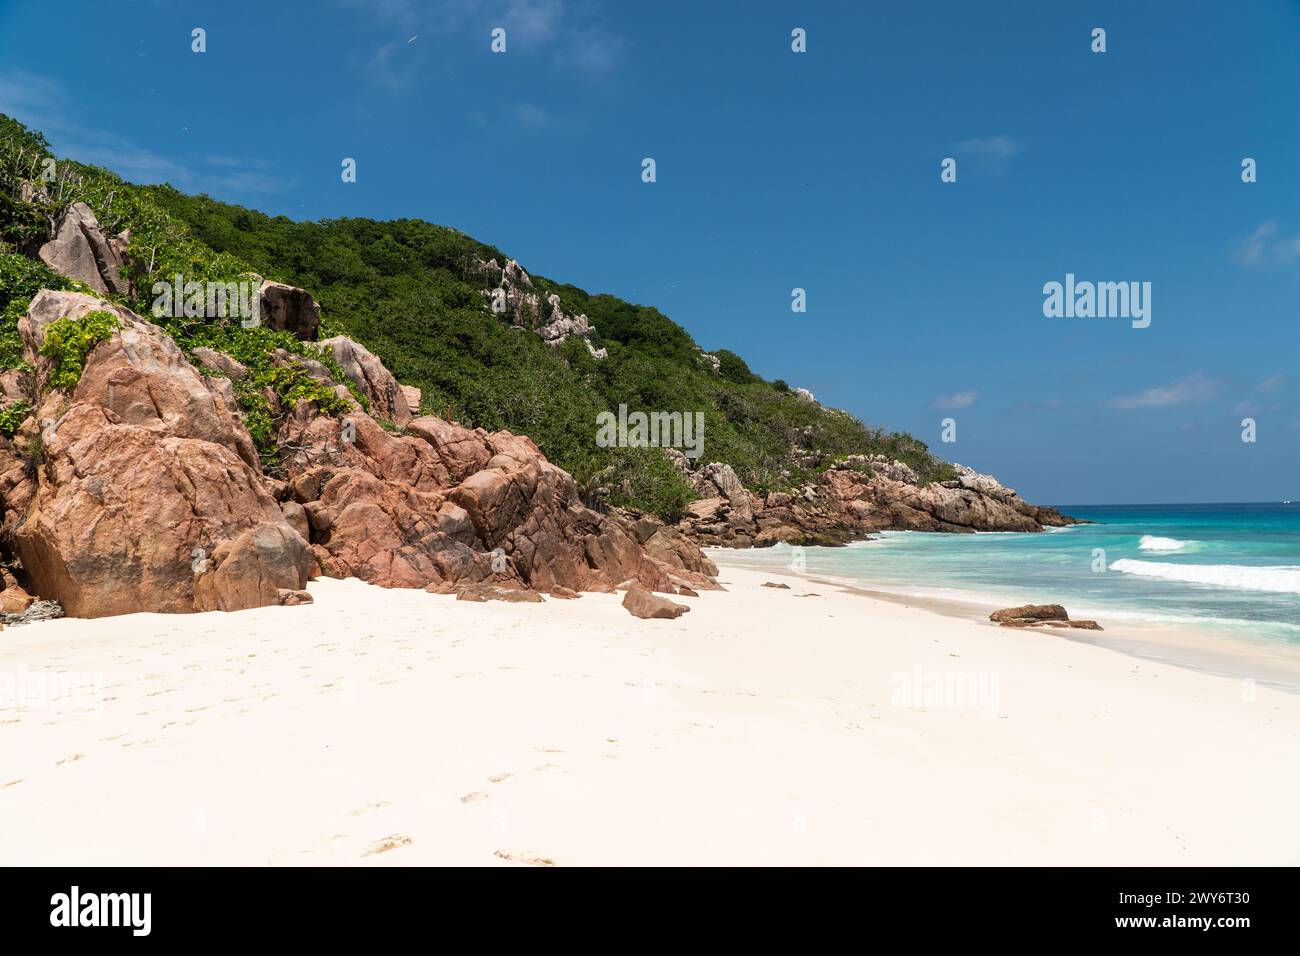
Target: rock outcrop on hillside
<point>285,308</point>
<point>81,251</point>
<point>521,305</point>
<point>851,499</point>
<point>141,489</point>
<point>387,398</point>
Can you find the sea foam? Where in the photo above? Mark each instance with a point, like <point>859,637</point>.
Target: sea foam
<point>1284,579</point>
<point>1150,542</point>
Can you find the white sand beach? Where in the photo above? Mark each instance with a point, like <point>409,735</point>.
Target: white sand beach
<point>767,726</point>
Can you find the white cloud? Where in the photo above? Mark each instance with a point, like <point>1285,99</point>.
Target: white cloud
<point>1272,383</point>
<point>1266,246</point>
<point>41,104</point>
<point>532,20</point>
<point>531,115</point>
<point>999,147</point>
<point>33,99</point>
<point>953,402</point>
<point>393,64</point>
<point>1194,388</point>
<point>571,33</point>
<point>594,50</point>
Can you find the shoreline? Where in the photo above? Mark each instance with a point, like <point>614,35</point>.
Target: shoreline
<point>1204,648</point>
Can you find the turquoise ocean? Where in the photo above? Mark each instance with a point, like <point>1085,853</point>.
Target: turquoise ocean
<point>1228,567</point>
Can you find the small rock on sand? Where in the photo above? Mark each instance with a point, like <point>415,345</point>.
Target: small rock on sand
<point>641,603</point>
<point>1040,615</point>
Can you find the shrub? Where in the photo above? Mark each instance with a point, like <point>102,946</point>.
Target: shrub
<point>645,479</point>
<point>68,341</point>
<point>12,416</point>
<point>292,383</point>
<point>21,278</point>
<point>11,342</point>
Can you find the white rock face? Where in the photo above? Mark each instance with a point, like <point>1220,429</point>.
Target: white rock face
<point>893,470</point>
<point>984,484</point>
<point>806,395</point>
<point>525,310</point>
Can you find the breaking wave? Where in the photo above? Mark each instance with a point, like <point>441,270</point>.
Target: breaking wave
<point>1284,579</point>
<point>1150,542</point>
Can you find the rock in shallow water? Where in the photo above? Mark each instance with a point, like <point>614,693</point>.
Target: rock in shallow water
<point>1040,615</point>
<point>1031,612</point>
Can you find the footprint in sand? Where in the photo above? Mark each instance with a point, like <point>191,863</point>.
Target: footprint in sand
<point>549,768</point>
<point>72,759</point>
<point>498,777</point>
<point>391,842</point>
<point>368,808</point>
<point>476,796</point>
<point>12,783</point>
<point>525,856</point>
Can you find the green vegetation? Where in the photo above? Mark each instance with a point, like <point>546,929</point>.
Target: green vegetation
<point>13,415</point>
<point>22,156</point>
<point>68,341</point>
<point>412,292</point>
<point>20,279</point>
<point>254,348</point>
<point>161,247</point>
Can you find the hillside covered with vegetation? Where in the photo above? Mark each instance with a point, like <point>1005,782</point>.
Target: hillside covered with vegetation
<point>412,292</point>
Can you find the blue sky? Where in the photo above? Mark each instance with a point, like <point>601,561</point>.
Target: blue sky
<point>779,170</point>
